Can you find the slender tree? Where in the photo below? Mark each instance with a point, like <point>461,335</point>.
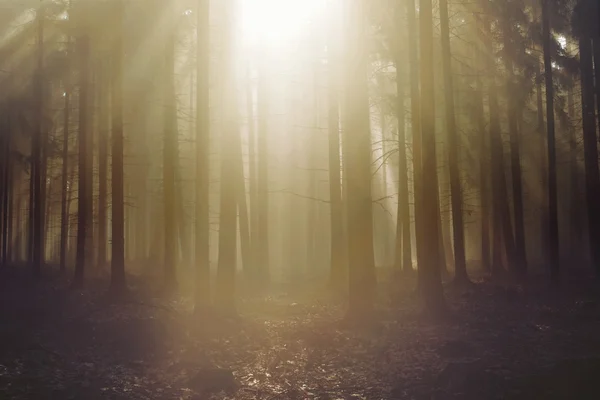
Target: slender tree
<point>64,214</point>
<point>403,253</point>
<point>552,186</point>
<point>357,160</point>
<point>118,281</point>
<point>432,282</point>
<point>453,150</point>
<point>83,49</point>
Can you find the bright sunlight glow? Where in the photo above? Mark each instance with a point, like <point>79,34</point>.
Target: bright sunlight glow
<point>276,23</point>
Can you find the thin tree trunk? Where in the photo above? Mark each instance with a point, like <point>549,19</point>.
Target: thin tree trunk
<point>103,134</point>
<point>590,148</point>
<point>226,270</point>
<point>432,282</point>
<point>37,143</point>
<point>64,211</point>
<point>403,253</point>
<point>552,185</point>
<point>517,187</point>
<point>263,179</point>
<point>543,169</point>
<point>252,175</point>
<point>82,206</point>
<point>415,107</point>
<point>118,281</point>
<point>460,266</point>
<point>169,159</point>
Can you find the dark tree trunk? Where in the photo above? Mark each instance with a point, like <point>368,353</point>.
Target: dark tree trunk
<point>253,188</point>
<point>552,186</point>
<point>82,201</point>
<point>432,282</point>
<point>357,160</point>
<point>202,293</point>
<point>226,270</point>
<point>338,270</point>
<point>590,149</point>
<point>103,135</point>
<point>118,281</point>
<point>170,159</point>
<point>484,186</point>
<point>415,121</point>
<point>403,253</point>
<point>263,179</point>
<point>515,155</point>
<point>460,266</point>
<point>543,168</point>
<point>36,203</point>
<point>64,210</point>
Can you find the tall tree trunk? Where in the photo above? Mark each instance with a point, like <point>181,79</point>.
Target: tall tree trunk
<point>576,237</point>
<point>82,201</point>
<point>460,266</point>
<point>226,270</point>
<point>432,282</point>
<point>552,186</point>
<point>513,128</point>
<point>590,149</point>
<point>169,157</point>
<point>118,281</point>
<point>403,253</point>
<point>357,159</point>
<point>263,178</point>
<point>484,186</point>
<point>337,272</point>
<point>202,293</point>
<point>36,153</point>
<point>542,168</point>
<point>415,121</point>
<point>103,134</point>
<point>64,211</point>
<point>242,207</point>
<point>252,176</point>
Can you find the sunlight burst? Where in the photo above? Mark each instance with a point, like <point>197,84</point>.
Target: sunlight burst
<point>277,22</point>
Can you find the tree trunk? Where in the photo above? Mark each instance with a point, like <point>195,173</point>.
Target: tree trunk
<point>103,134</point>
<point>118,281</point>
<point>36,154</point>
<point>252,179</point>
<point>263,179</point>
<point>517,187</point>
<point>552,186</point>
<point>170,159</point>
<point>202,293</point>
<point>64,211</point>
<point>226,270</point>
<point>460,266</point>
<point>403,253</point>
<point>592,176</point>
<point>415,107</point>
<point>82,201</point>
<point>357,157</point>
<point>432,282</point>
<point>337,272</point>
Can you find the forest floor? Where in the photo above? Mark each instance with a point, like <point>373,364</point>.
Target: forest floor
<point>498,341</point>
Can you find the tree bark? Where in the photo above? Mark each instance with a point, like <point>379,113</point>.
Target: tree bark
<point>357,160</point>
<point>202,292</point>
<point>460,266</point>
<point>118,281</point>
<point>552,186</point>
<point>82,201</point>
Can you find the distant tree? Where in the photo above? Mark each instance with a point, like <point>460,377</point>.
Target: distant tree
<point>118,281</point>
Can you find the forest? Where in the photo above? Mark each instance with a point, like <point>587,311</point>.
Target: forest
<point>299,199</point>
